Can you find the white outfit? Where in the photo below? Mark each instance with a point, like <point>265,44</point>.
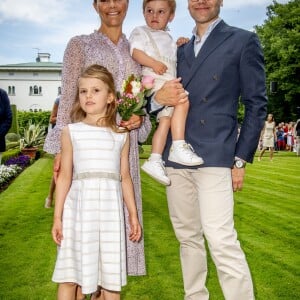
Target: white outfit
<point>92,251</point>
<point>159,45</point>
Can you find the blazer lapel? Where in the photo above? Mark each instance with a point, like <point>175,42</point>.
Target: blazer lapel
<point>214,40</point>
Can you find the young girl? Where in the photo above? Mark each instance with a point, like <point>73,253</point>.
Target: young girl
<point>94,178</point>
<point>153,48</point>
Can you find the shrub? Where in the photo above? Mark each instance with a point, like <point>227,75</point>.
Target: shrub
<point>33,135</point>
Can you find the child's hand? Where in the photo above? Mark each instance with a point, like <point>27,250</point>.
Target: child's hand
<point>136,230</point>
<point>181,41</point>
<point>57,232</point>
<point>159,68</point>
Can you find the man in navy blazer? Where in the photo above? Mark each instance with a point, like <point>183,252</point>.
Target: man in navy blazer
<point>219,66</point>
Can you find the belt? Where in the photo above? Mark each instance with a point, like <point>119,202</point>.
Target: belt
<point>107,175</point>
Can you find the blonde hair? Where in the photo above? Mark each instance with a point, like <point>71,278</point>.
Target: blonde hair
<point>172,4</point>
<point>101,73</point>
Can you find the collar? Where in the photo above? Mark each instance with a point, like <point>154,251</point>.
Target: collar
<point>208,30</point>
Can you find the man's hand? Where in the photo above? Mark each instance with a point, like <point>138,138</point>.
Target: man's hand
<point>171,93</point>
<point>237,178</point>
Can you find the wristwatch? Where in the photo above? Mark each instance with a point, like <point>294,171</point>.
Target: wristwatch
<point>239,164</point>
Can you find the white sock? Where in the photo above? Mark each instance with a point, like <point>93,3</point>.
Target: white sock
<point>177,143</point>
<point>155,157</point>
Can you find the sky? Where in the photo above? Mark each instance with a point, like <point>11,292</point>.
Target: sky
<point>31,26</point>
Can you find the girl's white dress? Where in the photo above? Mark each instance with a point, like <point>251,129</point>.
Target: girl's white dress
<point>92,251</point>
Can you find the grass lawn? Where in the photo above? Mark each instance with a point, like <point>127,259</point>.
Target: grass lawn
<point>266,218</point>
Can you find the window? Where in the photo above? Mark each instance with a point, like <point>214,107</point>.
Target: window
<point>35,90</point>
<point>11,90</point>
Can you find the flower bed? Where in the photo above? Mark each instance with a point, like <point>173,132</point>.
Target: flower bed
<point>11,169</point>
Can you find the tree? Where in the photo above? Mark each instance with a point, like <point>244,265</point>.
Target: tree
<point>280,39</point>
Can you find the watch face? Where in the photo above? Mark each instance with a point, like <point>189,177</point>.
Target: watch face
<point>239,164</point>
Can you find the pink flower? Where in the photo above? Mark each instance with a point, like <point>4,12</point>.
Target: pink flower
<point>148,82</point>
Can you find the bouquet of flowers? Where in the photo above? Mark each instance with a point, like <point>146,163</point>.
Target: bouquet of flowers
<point>131,99</point>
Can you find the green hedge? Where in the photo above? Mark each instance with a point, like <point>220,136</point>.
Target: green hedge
<point>9,154</point>
<point>41,117</point>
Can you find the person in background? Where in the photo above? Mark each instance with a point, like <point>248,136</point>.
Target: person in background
<point>53,116</point>
<point>93,182</point>
<point>5,119</point>
<point>290,137</point>
<point>268,136</point>
<point>297,136</point>
<point>280,137</point>
<point>219,66</point>
<point>153,48</point>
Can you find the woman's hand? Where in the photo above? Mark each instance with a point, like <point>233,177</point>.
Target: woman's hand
<point>57,231</point>
<point>133,123</point>
<point>136,230</point>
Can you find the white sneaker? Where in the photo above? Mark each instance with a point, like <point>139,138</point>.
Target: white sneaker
<point>156,169</point>
<point>184,154</point>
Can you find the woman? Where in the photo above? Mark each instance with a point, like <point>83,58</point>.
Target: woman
<point>109,47</point>
<point>268,136</point>
<point>5,119</point>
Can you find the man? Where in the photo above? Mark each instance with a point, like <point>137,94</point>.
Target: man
<point>218,66</point>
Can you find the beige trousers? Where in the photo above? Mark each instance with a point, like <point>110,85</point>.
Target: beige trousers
<point>201,207</point>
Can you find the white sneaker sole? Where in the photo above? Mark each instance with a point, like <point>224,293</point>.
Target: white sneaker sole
<point>190,164</point>
<point>154,176</point>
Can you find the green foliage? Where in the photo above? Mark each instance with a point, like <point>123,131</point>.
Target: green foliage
<point>33,135</point>
<point>41,117</point>
<point>14,126</point>
<point>9,154</point>
<point>280,38</point>
<point>154,125</point>
<point>12,141</point>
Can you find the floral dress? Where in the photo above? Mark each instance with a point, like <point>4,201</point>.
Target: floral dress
<point>81,52</point>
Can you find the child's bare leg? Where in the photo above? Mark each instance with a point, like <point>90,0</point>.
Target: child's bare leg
<point>98,295</point>
<point>160,135</point>
<point>178,121</point>
<point>154,166</point>
<point>79,295</point>
<point>109,295</point>
<point>66,291</point>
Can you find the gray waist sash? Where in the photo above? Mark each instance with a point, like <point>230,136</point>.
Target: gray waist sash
<point>107,175</point>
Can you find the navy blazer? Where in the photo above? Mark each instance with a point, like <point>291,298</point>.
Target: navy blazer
<point>5,118</point>
<point>229,65</point>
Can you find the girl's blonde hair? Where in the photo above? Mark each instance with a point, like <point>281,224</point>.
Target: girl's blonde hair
<point>101,73</point>
<point>172,4</point>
